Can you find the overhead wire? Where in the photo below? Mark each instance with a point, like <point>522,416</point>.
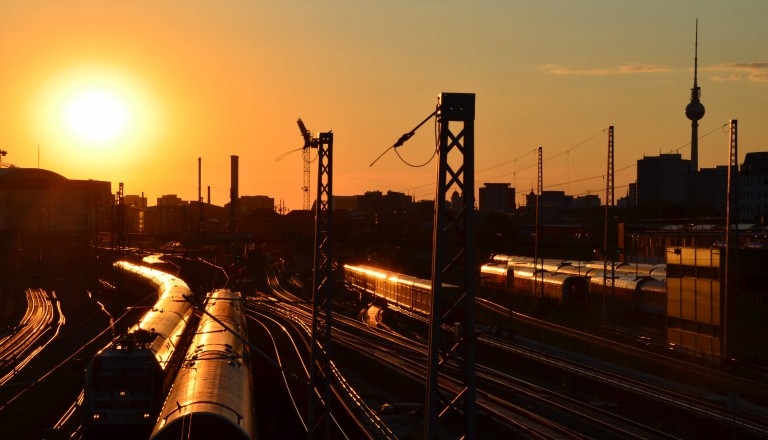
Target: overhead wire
<point>404,138</point>
<point>633,165</point>
<point>567,151</point>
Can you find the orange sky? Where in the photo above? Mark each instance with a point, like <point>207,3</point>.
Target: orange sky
<point>213,79</point>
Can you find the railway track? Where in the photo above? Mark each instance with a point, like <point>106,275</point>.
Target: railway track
<point>297,314</point>
<point>26,340</point>
<point>408,358</point>
<point>641,387</point>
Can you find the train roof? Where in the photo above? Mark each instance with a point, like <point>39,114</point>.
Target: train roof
<point>495,268</point>
<point>393,276</point>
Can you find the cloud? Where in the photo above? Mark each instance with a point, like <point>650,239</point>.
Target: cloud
<point>755,72</point>
<point>620,70</point>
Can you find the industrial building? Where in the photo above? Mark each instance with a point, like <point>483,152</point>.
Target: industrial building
<point>47,220</point>
<point>712,317</point>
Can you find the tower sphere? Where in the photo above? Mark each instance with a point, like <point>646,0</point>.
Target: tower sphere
<point>694,111</point>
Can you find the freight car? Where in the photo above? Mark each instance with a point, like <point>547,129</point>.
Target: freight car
<point>212,395</point>
<point>126,381</point>
<point>407,292</point>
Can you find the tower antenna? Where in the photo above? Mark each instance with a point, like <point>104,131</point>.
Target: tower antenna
<point>696,59</point>
<point>695,109</point>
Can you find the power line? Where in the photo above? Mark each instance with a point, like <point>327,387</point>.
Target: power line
<point>567,151</point>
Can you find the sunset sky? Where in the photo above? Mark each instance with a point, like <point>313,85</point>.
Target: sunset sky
<point>135,91</point>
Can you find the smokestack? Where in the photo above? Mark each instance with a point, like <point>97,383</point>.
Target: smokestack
<point>209,194</point>
<point>233,196</point>
<point>199,192</point>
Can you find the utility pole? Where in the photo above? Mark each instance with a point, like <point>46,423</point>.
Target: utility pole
<point>731,239</point>
<point>456,265</point>
<point>608,242</point>
<point>537,233</point>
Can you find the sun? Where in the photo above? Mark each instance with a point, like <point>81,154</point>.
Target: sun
<point>97,115</point>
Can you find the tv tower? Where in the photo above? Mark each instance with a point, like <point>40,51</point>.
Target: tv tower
<point>695,109</point>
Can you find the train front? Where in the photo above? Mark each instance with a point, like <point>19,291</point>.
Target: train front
<point>124,385</point>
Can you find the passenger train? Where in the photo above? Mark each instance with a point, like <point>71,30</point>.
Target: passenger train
<point>212,396</point>
<point>407,292</point>
<point>125,382</point>
<point>639,287</point>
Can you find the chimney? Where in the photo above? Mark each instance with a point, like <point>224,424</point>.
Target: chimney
<point>233,196</point>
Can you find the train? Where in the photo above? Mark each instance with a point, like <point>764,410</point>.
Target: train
<point>583,268</point>
<point>126,382</point>
<point>212,396</point>
<point>552,287</point>
<point>638,287</point>
<point>404,291</point>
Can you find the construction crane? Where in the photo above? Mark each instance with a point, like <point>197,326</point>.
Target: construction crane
<point>308,142</point>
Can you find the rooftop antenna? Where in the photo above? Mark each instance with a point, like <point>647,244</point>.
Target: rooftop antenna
<point>695,109</point>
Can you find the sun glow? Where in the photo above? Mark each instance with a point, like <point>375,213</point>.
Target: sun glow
<point>97,115</point>
<point>96,119</point>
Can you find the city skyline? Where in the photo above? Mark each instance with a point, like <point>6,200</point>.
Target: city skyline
<point>176,83</point>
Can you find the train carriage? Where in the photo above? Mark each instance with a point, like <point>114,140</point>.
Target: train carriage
<point>653,297</point>
<point>405,291</point>
<point>496,276</point>
<point>640,286</point>
<point>212,396</point>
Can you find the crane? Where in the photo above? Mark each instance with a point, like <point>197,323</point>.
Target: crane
<point>308,142</point>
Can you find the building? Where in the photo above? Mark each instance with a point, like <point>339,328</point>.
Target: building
<point>708,188</point>
<point>630,200</point>
<point>753,188</point>
<point>253,203</point>
<point>497,197</point>
<point>457,201</point>
<point>344,202</point>
<point>170,215</point>
<point>38,200</point>
<point>375,201</point>
<point>711,317</point>
<point>586,201</point>
<point>169,200</point>
<point>694,300</point>
<point>663,178</point>
<point>135,210</point>
<point>550,200</point>
<point>48,221</point>
<point>135,201</point>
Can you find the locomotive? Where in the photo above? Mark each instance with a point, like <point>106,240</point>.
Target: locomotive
<point>126,381</point>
